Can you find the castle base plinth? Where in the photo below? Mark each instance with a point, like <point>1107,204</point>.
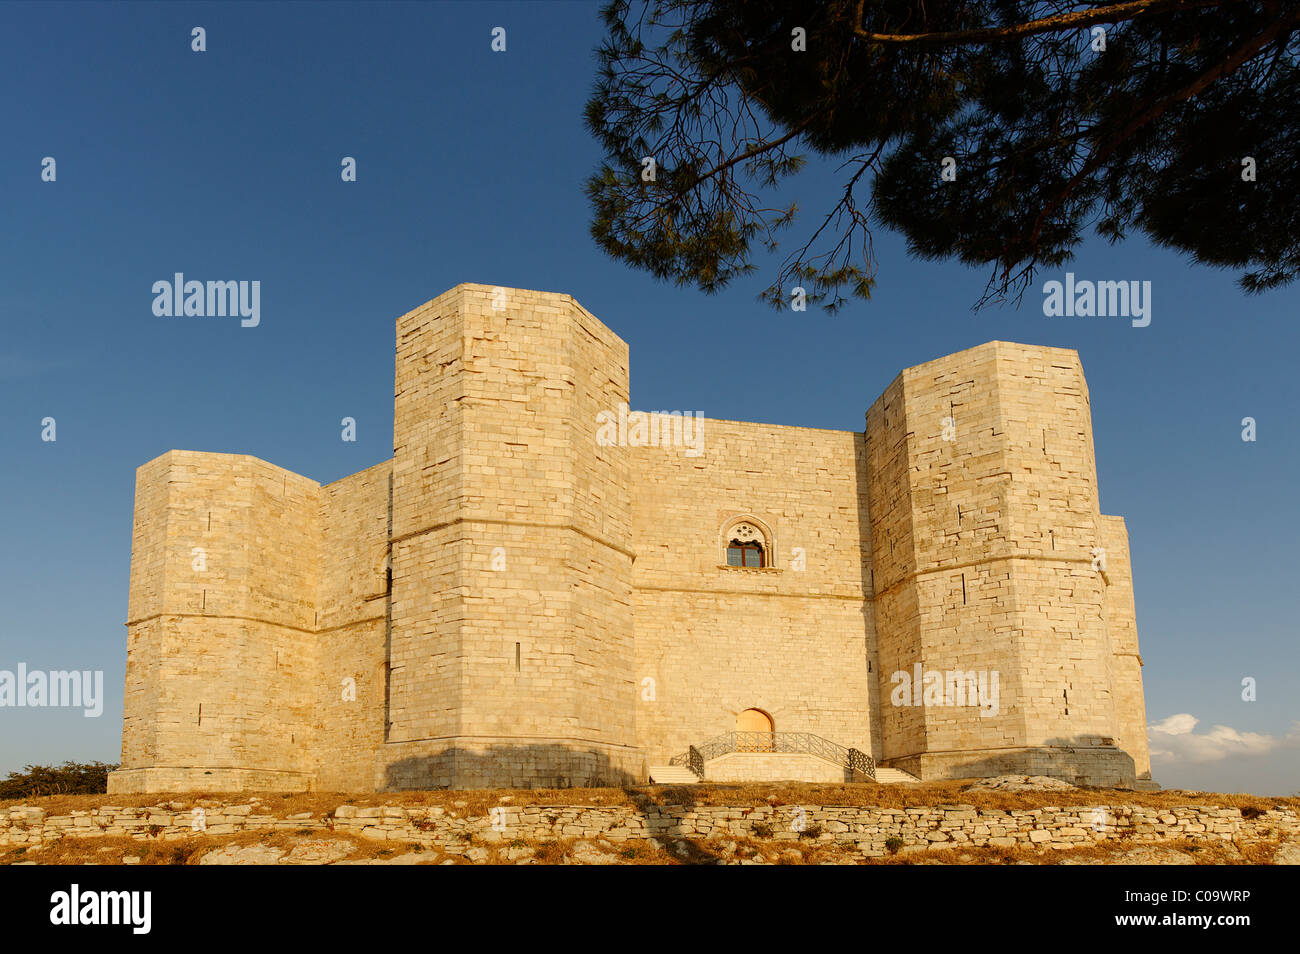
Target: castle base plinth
<point>1101,765</point>
<point>129,781</point>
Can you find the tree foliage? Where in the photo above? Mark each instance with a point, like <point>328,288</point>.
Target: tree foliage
<point>70,778</point>
<point>1051,134</point>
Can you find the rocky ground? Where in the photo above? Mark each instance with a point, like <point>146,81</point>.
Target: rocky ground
<point>334,849</point>
<point>1020,783</point>
<point>451,827</point>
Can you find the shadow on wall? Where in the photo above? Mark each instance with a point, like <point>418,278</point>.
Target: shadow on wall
<point>664,810</point>
<point>509,766</point>
<point>668,815</point>
<point>1081,760</point>
<point>870,663</point>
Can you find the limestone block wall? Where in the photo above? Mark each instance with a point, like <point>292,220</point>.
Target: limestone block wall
<point>984,507</point>
<point>349,710</point>
<point>425,655</point>
<point>1126,662</point>
<point>1055,523</point>
<point>896,606</point>
<point>944,588</point>
<point>511,624</point>
<point>766,767</point>
<point>143,691</point>
<point>220,655</point>
<point>797,643</point>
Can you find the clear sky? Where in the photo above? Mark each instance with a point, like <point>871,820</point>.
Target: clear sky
<point>225,165</point>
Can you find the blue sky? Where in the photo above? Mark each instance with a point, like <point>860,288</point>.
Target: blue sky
<point>225,164</point>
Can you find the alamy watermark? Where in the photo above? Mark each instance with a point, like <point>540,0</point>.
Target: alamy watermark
<point>131,909</point>
<point>193,299</point>
<point>1088,299</point>
<point>624,428</point>
<point>951,687</point>
<point>55,689</point>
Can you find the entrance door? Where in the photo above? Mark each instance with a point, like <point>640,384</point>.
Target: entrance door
<point>754,731</point>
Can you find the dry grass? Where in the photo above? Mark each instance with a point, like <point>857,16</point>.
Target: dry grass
<point>111,850</point>
<point>855,795</point>
<point>932,794</point>
<point>1203,852</point>
<point>668,851</point>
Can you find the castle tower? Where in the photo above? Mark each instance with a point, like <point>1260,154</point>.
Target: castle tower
<point>221,657</point>
<point>991,557</point>
<point>511,637</point>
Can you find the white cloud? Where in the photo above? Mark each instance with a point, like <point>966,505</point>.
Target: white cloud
<point>1175,740</point>
<point>1179,724</point>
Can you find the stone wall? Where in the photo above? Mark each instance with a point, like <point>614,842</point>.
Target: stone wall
<point>795,639</point>
<point>868,829</point>
<point>1125,663</point>
<point>220,655</point>
<point>512,630</point>
<point>985,517</point>
<point>763,766</point>
<point>351,639</point>
<point>514,601</point>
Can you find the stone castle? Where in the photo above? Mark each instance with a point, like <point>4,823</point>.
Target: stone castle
<point>528,595</point>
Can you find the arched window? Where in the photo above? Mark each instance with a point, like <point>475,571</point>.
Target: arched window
<point>746,546</point>
<point>745,554</point>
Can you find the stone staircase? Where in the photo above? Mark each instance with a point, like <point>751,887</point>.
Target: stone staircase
<point>891,776</point>
<point>672,775</point>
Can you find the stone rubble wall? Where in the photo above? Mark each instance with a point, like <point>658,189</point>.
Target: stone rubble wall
<point>869,829</point>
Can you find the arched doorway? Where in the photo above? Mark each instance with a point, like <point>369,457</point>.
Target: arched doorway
<point>754,731</point>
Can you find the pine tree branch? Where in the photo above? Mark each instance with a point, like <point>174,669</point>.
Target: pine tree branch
<point>1225,67</point>
<point>1109,13</point>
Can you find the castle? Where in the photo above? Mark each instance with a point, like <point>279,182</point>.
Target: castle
<point>533,592</point>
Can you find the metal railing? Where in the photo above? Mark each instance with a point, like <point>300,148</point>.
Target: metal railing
<point>855,762</point>
<point>696,761</point>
